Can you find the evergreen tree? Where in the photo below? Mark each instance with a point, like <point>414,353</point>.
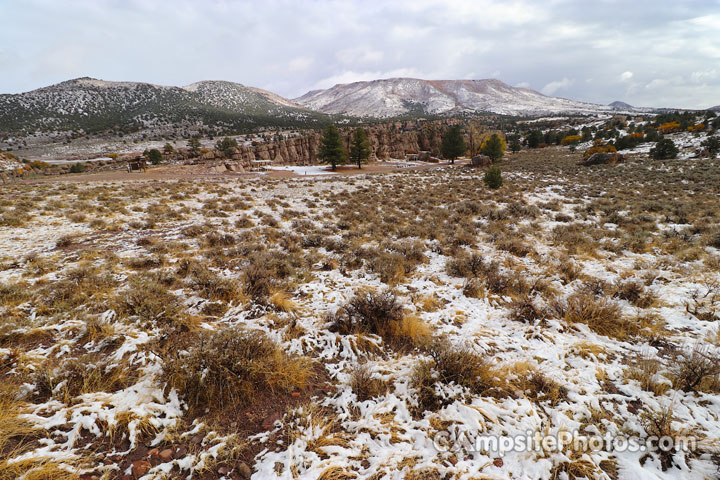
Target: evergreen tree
<point>493,147</point>
<point>227,146</point>
<point>194,146</point>
<point>168,149</point>
<point>534,139</point>
<point>155,156</point>
<point>359,147</point>
<point>332,150</point>
<point>514,144</point>
<point>493,178</point>
<point>664,149</point>
<point>452,145</point>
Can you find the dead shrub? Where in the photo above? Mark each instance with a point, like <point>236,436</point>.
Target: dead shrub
<point>365,385</point>
<point>525,310</point>
<point>375,313</point>
<point>233,367</point>
<point>695,369</point>
<point>635,292</point>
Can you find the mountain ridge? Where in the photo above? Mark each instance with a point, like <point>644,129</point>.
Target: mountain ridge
<point>401,95</point>
<point>89,104</point>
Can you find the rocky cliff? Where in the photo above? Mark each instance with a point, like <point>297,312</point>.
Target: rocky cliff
<point>386,142</point>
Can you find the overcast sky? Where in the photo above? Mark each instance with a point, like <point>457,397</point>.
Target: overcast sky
<point>645,52</point>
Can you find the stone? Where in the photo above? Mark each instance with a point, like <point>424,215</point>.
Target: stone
<point>154,452</point>
<point>269,422</point>
<point>166,455</point>
<point>140,468</point>
<point>180,452</point>
<point>481,161</point>
<point>498,462</point>
<point>223,471</point>
<point>244,470</point>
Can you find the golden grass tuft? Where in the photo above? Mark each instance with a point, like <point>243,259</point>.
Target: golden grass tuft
<point>282,302</point>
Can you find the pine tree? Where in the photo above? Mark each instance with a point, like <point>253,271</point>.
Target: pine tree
<point>194,146</point>
<point>332,150</point>
<point>359,147</point>
<point>155,156</point>
<point>493,147</point>
<point>493,178</point>
<point>452,145</point>
<point>227,146</point>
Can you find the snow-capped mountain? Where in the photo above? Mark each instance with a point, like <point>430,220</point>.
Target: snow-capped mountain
<point>401,96</point>
<point>90,105</point>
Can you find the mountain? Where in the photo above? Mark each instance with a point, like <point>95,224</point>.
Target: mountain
<point>401,96</point>
<point>620,105</point>
<point>92,105</point>
<point>716,108</point>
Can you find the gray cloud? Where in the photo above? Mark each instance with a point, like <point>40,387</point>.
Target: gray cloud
<point>648,53</point>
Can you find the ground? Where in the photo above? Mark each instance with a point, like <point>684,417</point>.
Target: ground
<point>362,326</point>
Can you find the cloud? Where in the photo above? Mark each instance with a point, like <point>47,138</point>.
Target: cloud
<point>556,85</point>
<point>522,85</point>
<point>290,47</point>
<point>299,64</point>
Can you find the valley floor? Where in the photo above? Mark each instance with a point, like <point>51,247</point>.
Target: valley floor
<point>363,326</point>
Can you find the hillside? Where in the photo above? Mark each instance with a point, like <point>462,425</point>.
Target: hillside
<point>87,104</point>
<point>401,96</point>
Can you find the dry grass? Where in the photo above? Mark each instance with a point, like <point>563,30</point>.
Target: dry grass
<point>232,367</point>
<point>365,385</point>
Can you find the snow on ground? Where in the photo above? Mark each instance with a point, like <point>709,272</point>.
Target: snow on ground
<point>553,234</point>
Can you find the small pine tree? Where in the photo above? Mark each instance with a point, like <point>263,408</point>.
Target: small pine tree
<point>331,149</point>
<point>452,145</point>
<point>227,146</point>
<point>155,156</point>
<point>359,147</point>
<point>664,149</point>
<point>493,178</point>
<point>168,149</point>
<point>712,145</point>
<point>534,139</point>
<point>194,146</point>
<point>493,147</point>
<point>77,168</point>
<point>515,145</point>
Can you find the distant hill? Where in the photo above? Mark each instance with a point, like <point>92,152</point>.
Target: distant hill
<point>402,96</point>
<point>716,108</point>
<point>621,105</point>
<point>92,105</point>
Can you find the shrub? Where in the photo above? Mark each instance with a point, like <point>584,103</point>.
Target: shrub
<point>664,149</point>
<point>712,145</point>
<point>231,367</point>
<point>365,385</point>
<point>571,140</point>
<point>493,178</point>
<point>155,156</point>
<point>690,368</point>
<point>601,316</point>
<point>599,149</point>
<point>375,313</point>
<point>149,301</point>
<point>77,168</point>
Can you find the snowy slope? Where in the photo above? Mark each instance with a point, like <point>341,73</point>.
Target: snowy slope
<point>90,104</point>
<point>399,96</point>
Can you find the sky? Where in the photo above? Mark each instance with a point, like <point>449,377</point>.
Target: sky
<point>653,53</point>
